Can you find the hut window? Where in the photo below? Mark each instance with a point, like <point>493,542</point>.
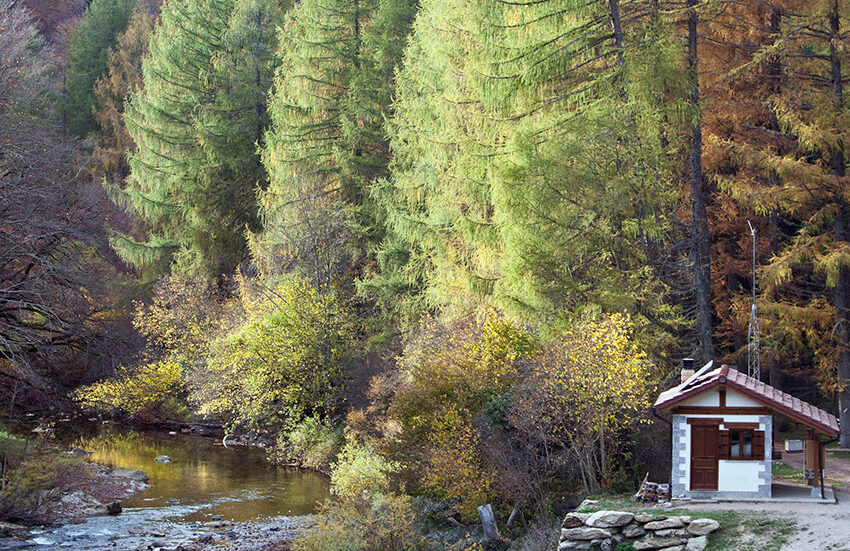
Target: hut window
<point>741,444</point>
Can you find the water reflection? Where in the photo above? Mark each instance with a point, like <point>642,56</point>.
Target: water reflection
<point>236,483</point>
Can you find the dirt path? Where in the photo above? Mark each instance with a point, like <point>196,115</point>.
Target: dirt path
<point>819,527</point>
<point>836,468</point>
<point>816,526</point>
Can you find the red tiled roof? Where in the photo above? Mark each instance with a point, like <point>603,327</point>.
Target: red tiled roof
<point>770,397</point>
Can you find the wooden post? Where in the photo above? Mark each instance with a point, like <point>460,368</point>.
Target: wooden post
<point>488,522</point>
<point>813,460</point>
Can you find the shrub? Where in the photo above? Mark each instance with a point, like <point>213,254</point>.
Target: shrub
<point>588,392</point>
<point>34,478</point>
<point>449,376</point>
<point>155,386</point>
<point>311,442</point>
<point>282,364</point>
<point>364,523</point>
<point>360,469</point>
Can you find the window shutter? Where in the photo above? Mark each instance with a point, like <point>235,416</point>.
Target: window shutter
<point>758,444</point>
<point>723,444</point>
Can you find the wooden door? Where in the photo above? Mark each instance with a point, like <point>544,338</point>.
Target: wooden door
<point>704,457</point>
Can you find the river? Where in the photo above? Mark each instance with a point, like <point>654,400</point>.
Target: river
<point>202,482</point>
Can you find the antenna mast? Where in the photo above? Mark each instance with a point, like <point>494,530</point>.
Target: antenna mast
<point>753,333</point>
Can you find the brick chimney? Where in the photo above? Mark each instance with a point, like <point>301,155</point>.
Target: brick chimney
<point>687,369</point>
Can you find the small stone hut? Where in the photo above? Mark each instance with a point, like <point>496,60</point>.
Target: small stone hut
<point>723,433</point>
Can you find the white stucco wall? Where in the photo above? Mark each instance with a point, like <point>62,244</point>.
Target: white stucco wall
<point>735,399</point>
<point>709,398</point>
<point>738,476</point>
<point>732,476</point>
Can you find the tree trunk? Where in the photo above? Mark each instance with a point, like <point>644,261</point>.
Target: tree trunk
<point>700,242</point>
<point>840,227</point>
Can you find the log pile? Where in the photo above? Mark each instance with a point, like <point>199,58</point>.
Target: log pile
<point>653,492</point>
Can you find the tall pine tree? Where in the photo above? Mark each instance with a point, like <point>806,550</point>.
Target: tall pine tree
<point>805,187</point>
<point>529,168</point>
<point>103,22</point>
<point>327,146</point>
<point>195,125</point>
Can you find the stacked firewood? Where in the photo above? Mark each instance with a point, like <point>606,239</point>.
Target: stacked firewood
<point>653,491</point>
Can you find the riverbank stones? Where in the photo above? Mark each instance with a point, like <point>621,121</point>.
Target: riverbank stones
<point>132,474</point>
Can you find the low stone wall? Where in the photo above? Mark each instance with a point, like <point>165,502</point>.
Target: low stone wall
<point>605,530</point>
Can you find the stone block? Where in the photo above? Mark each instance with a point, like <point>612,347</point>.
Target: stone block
<point>574,520</point>
<point>672,533</point>
<point>672,522</point>
<point>574,546</point>
<point>698,543</point>
<point>703,526</point>
<point>585,533</point>
<point>643,518</point>
<point>654,542</point>
<point>609,519</point>
<point>633,531</point>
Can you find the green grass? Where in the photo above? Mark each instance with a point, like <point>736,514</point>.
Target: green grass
<point>786,472</point>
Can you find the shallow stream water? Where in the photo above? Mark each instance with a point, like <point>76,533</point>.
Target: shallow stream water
<point>201,482</point>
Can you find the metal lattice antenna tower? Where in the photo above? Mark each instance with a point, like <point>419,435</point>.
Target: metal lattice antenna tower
<point>753,333</point>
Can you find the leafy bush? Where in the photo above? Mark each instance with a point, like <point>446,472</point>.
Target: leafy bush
<point>156,386</point>
<point>282,364</point>
<point>589,390</point>
<point>449,375</point>
<point>360,469</point>
<point>364,523</point>
<point>34,477</point>
<point>311,442</point>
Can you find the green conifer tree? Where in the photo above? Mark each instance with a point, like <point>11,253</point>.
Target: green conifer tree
<point>327,144</point>
<point>103,22</point>
<point>532,163</point>
<point>196,125</point>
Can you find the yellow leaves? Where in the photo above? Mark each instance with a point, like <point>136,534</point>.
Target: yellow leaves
<point>134,390</point>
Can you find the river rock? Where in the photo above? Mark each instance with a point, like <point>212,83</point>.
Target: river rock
<point>585,533</point>
<point>79,452</point>
<point>132,474</point>
<point>215,517</point>
<point>173,502</point>
<point>216,524</point>
<point>574,520</point>
<point>163,459</point>
<point>703,526</point>
<point>609,519</point>
<point>206,538</point>
<point>672,522</point>
<point>8,529</point>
